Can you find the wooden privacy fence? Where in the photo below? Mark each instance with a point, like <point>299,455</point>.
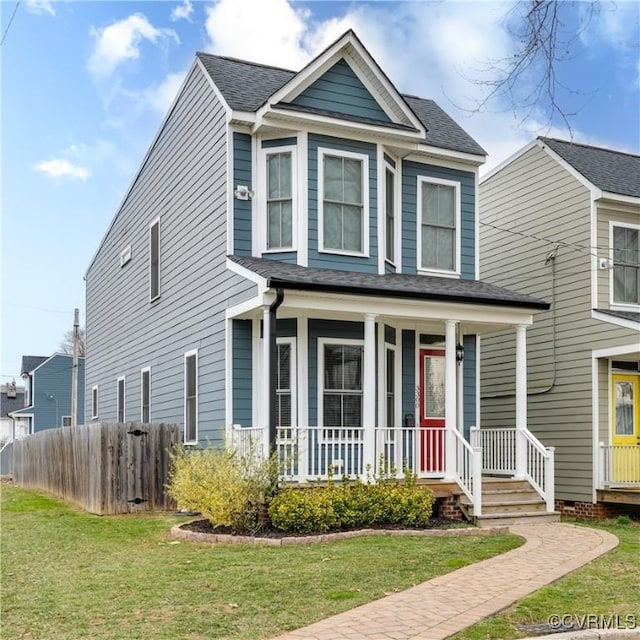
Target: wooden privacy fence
<point>104,468</point>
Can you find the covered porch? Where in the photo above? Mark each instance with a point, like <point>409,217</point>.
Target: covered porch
<point>372,381</point>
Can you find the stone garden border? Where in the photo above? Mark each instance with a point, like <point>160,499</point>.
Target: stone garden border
<point>178,533</point>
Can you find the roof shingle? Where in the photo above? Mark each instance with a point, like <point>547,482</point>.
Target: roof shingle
<point>246,86</point>
<point>396,285</point>
<point>608,170</point>
<point>29,363</point>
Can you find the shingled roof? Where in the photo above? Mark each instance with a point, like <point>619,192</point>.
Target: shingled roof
<point>393,285</point>
<point>608,170</point>
<point>29,363</point>
<point>246,86</point>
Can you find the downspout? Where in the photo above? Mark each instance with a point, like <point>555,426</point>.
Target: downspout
<point>273,369</point>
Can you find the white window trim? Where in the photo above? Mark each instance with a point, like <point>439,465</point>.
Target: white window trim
<point>94,405</point>
<point>456,272</point>
<point>122,379</point>
<point>142,372</point>
<point>293,376</point>
<point>364,158</point>
<point>153,223</point>
<point>619,306</point>
<point>262,227</point>
<point>62,418</point>
<point>389,167</point>
<point>321,344</point>
<point>193,352</point>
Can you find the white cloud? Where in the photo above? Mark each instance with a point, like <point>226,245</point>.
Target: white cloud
<point>40,7</point>
<point>182,11</point>
<point>60,168</point>
<point>121,41</point>
<point>159,97</point>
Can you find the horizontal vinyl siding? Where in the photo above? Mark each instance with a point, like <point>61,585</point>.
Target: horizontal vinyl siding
<point>340,90</point>
<point>242,208</point>
<point>183,181</point>
<point>330,260</point>
<point>409,375</point>
<point>535,203</point>
<point>604,217</point>
<point>410,173</point>
<point>242,372</point>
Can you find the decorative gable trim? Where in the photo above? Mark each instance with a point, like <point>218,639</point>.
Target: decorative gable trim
<point>349,48</point>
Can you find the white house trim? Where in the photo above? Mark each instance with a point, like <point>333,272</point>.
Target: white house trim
<point>621,322</point>
<point>303,199</point>
<point>247,274</point>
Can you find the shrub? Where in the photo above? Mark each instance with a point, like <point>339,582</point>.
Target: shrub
<point>229,489</point>
<point>349,506</point>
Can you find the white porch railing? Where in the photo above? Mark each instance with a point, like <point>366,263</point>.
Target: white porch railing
<point>499,448</point>
<point>619,465</point>
<point>468,472</point>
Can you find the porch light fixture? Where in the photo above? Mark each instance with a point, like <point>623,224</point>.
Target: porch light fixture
<point>459,353</point>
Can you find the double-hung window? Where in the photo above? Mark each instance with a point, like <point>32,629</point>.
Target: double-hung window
<point>279,167</point>
<point>341,384</point>
<point>145,395</point>
<point>120,400</point>
<point>343,202</point>
<point>154,260</point>
<point>389,212</point>
<point>626,264</point>
<point>438,225</point>
<point>191,397</point>
<point>285,383</point>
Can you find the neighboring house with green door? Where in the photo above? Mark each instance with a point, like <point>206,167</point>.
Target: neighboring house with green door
<point>561,221</point>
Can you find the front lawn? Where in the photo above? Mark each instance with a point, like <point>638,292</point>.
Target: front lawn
<point>67,574</point>
<point>604,592</point>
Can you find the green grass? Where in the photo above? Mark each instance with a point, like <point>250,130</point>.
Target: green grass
<point>67,574</point>
<point>609,586</point>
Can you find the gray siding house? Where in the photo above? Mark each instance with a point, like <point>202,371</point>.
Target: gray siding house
<point>296,265</point>
<point>561,221</point>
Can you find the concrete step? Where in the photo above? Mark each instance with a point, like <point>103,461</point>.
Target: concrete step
<point>507,519</point>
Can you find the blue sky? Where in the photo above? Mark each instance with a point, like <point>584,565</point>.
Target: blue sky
<point>85,86</point>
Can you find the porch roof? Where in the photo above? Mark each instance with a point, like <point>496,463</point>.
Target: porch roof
<point>395,285</point>
<point>625,315</point>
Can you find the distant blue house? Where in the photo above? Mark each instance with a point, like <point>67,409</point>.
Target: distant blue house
<point>47,393</point>
<point>296,263</point>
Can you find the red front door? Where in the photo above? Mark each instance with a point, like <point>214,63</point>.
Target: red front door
<point>432,403</point>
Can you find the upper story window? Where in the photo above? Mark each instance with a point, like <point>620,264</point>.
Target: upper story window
<point>154,260</point>
<point>343,209</point>
<point>279,200</point>
<point>390,212</point>
<point>626,264</point>
<point>438,226</point>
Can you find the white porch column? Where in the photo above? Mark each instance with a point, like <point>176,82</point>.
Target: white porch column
<point>460,387</point>
<point>451,400</point>
<point>369,391</point>
<point>521,400</point>
<point>264,384</point>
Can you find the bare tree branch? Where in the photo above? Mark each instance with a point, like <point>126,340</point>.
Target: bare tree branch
<point>66,346</point>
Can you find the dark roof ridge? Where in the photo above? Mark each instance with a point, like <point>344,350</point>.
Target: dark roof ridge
<point>589,146</point>
<point>250,62</point>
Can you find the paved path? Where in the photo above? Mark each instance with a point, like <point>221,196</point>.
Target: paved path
<point>447,604</point>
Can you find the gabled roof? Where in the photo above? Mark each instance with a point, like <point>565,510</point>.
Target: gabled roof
<point>29,363</point>
<point>608,170</point>
<point>246,86</point>
<point>392,285</point>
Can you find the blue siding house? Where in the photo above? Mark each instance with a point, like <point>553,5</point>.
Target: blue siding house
<point>296,265</point>
<point>47,393</point>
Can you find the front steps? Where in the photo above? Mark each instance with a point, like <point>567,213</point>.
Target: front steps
<point>506,502</point>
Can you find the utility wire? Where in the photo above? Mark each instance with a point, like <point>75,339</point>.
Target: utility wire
<point>13,15</point>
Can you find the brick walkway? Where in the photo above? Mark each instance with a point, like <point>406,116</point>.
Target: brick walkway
<point>445,605</point>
